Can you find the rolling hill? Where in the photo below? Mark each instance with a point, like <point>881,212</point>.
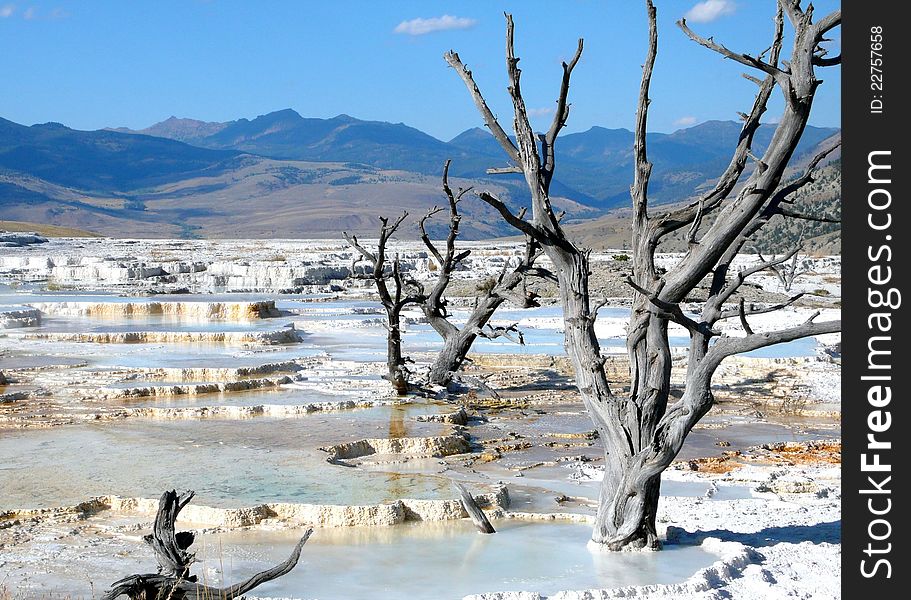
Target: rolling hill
<point>282,174</point>
<point>594,167</point>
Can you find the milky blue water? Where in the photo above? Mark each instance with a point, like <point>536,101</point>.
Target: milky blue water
<point>446,561</point>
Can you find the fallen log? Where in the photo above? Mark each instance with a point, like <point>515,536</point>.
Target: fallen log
<point>173,580</point>
<point>474,511</point>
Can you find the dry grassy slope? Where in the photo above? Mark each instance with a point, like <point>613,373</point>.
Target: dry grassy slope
<point>262,198</point>
<point>45,230</point>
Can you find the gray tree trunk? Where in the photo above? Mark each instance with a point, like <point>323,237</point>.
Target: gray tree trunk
<point>396,371</point>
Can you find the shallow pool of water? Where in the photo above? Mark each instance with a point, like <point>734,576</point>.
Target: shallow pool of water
<point>230,462</point>
<point>740,436</point>
<point>440,561</point>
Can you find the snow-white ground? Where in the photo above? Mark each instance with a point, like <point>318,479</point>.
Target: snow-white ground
<point>783,542</point>
<point>774,529</point>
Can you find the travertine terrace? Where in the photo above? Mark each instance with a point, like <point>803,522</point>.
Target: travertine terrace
<point>251,372</point>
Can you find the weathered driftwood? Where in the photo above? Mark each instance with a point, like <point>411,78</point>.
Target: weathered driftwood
<point>644,430</point>
<point>474,511</point>
<point>510,284</point>
<point>402,294</point>
<point>173,580</point>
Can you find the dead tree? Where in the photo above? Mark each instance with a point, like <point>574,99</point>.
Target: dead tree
<point>394,301</point>
<point>786,272</point>
<point>643,430</point>
<point>510,284</point>
<point>173,580</point>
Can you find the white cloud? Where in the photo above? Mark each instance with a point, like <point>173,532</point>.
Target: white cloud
<point>685,121</point>
<point>709,10</point>
<point>422,26</point>
<point>29,13</point>
<point>7,10</point>
<point>536,113</point>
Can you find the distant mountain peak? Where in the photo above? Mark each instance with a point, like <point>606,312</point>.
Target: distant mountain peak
<point>475,133</point>
<point>285,113</point>
<point>178,128</point>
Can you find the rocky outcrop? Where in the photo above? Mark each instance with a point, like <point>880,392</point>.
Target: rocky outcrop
<point>196,311</point>
<point>278,513</point>
<point>459,417</point>
<point>192,389</point>
<point>17,396</point>
<point>13,239</point>
<point>433,446</point>
<point>187,273</point>
<point>234,412</point>
<point>214,266</point>
<point>220,373</point>
<point>13,317</point>
<point>282,336</point>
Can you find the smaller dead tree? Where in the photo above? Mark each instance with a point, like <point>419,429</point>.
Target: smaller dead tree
<point>173,580</point>
<point>786,272</point>
<point>509,284</point>
<point>394,301</point>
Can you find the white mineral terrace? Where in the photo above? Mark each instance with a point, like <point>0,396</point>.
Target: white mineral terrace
<point>258,386</point>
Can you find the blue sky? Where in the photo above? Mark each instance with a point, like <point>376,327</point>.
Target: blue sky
<point>92,64</point>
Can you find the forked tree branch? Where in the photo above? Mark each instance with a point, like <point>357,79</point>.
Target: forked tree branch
<point>489,119</point>
<point>516,221</point>
<point>799,84</point>
<point>548,141</point>
<point>710,201</point>
<point>744,59</point>
<point>743,274</point>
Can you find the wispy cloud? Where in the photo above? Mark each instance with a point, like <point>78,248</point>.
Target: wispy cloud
<point>7,11</point>
<point>422,26</point>
<point>709,10</point>
<point>536,113</point>
<point>30,13</point>
<point>685,121</point>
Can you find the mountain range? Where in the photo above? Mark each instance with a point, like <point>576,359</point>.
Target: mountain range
<point>284,174</point>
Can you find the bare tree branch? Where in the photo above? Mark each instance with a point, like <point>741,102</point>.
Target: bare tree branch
<point>786,212</point>
<point>670,310</point>
<point>549,140</point>
<point>517,222</point>
<point>729,346</point>
<point>743,318</point>
<point>643,169</point>
<point>489,119</point>
<point>744,59</point>
<point>752,310</point>
<point>743,274</point>
<point>504,170</point>
<point>710,201</point>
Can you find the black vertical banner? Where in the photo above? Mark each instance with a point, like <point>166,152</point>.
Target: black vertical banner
<point>875,247</point>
